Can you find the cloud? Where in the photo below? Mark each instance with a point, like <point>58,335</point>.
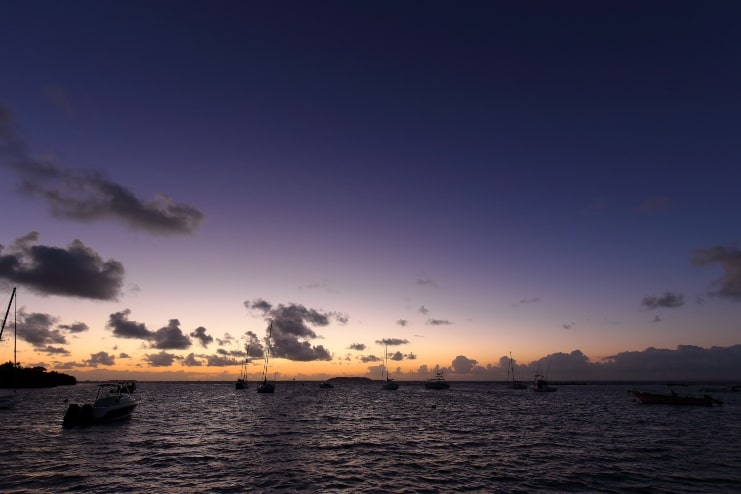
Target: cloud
<point>200,334</point>
<point>162,359</point>
<point>402,322</point>
<point>85,195</point>
<point>227,340</point>
<point>729,258</point>
<point>426,282</point>
<point>655,319</point>
<point>396,356</point>
<point>423,310</point>
<point>260,305</point>
<point>77,271</point>
<point>221,361</point>
<point>171,337</point>
<point>357,346</point>
<point>437,322</point>
<point>526,301</point>
<point>123,328</point>
<point>370,358</point>
<point>51,350</point>
<point>100,358</point>
<point>78,327</point>
<point>190,361</point>
<point>392,341</point>
<point>463,365</point>
<point>568,325</point>
<point>291,331</point>
<point>411,356</point>
<point>36,329</point>
<point>668,300</point>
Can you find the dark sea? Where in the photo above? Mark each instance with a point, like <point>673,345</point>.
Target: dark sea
<point>474,437</point>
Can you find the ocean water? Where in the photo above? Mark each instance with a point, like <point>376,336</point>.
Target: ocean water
<point>474,437</point>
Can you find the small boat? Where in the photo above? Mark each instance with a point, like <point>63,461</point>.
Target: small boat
<point>265,386</point>
<point>389,384</point>
<point>437,382</point>
<point>112,402</point>
<point>674,398</point>
<point>540,385</point>
<point>10,399</point>
<point>326,385</point>
<point>511,383</point>
<point>242,379</point>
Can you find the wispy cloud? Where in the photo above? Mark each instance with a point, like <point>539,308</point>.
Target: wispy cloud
<point>729,258</point>
<point>437,322</point>
<point>86,195</point>
<point>392,341</point>
<point>426,282</point>
<point>668,300</point>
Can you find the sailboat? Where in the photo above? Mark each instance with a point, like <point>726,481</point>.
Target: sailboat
<point>265,386</point>
<point>389,384</point>
<point>511,383</point>
<point>8,400</point>
<point>242,379</point>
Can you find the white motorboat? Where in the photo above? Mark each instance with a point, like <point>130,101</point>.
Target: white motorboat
<point>113,401</point>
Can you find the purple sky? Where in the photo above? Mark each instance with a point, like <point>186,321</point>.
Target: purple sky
<point>466,179</point>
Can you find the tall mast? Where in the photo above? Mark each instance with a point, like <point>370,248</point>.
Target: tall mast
<point>5,319</point>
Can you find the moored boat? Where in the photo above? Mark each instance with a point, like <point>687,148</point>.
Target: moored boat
<point>390,384</point>
<point>511,382</point>
<point>437,382</point>
<point>113,401</point>
<point>326,385</point>
<point>674,398</point>
<point>540,385</point>
<point>265,386</point>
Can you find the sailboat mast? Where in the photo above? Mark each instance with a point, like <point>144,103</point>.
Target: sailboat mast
<point>5,319</point>
<point>512,366</point>
<point>267,351</point>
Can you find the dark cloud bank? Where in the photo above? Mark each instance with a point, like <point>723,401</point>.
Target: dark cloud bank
<point>77,271</point>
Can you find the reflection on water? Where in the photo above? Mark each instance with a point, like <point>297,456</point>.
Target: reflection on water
<point>204,437</point>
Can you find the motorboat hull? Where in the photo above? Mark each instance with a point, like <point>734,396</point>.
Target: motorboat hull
<point>675,399</point>
<point>113,403</point>
<point>266,387</point>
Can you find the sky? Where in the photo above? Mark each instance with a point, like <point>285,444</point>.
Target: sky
<point>452,182</point>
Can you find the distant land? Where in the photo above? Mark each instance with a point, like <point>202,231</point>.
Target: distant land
<point>32,377</point>
<point>351,379</point>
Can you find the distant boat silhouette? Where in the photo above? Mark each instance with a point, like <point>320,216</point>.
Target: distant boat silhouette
<point>437,382</point>
<point>674,398</point>
<point>265,386</point>
<point>389,384</point>
<point>242,379</point>
<point>511,383</point>
<point>9,400</point>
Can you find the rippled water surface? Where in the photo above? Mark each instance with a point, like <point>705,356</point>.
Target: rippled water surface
<point>209,437</point>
